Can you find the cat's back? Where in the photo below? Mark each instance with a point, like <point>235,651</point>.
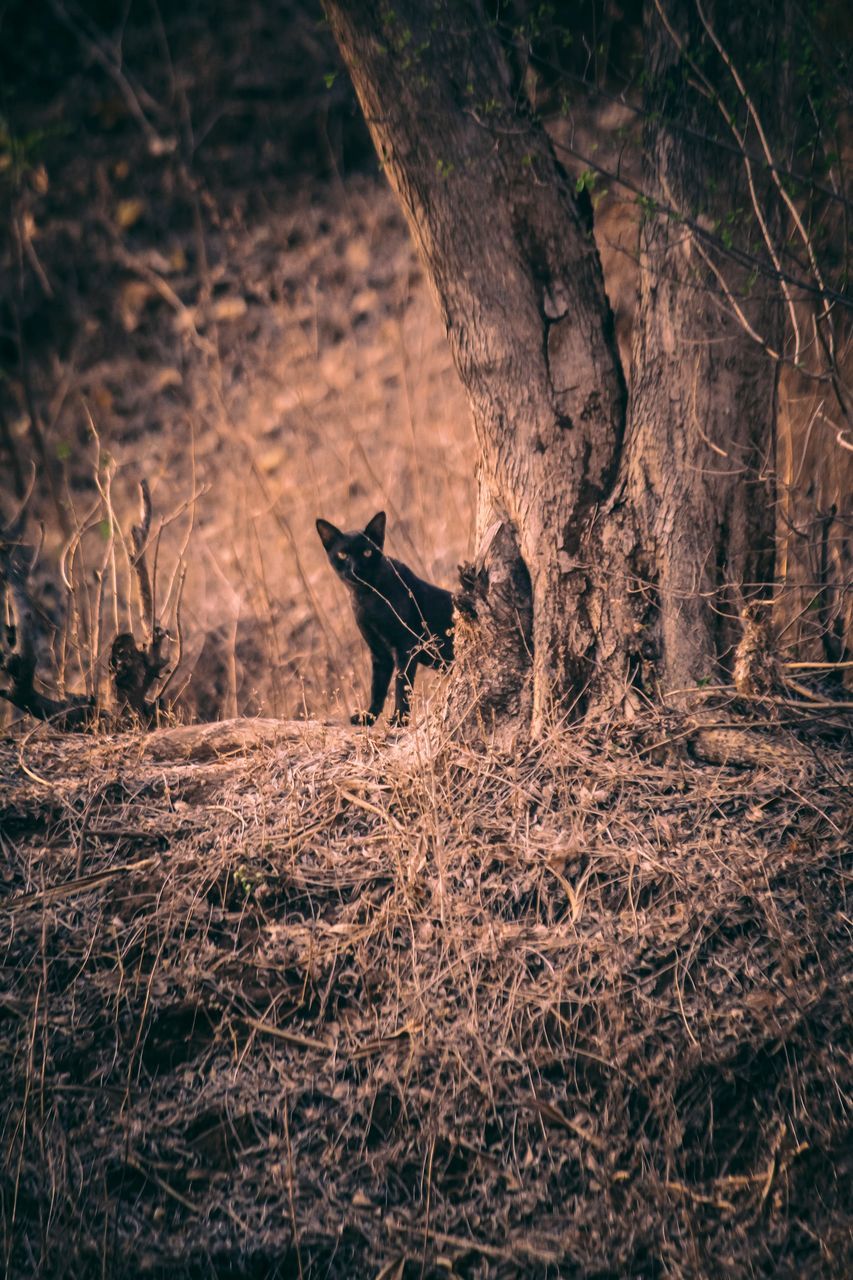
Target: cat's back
<point>431,611</point>
<point>422,590</point>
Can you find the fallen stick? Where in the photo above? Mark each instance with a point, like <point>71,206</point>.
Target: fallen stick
<point>80,884</point>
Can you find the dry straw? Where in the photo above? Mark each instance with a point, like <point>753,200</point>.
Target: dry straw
<point>285,999</point>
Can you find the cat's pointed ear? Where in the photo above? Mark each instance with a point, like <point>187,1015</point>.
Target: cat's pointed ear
<point>328,533</point>
<point>375,530</point>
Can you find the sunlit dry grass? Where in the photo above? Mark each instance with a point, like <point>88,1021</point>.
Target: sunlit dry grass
<point>316,380</point>
<point>346,403</point>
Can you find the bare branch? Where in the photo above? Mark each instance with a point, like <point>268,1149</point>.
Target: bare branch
<point>139,536</point>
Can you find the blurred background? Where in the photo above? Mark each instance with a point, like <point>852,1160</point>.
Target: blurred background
<point>206,283</point>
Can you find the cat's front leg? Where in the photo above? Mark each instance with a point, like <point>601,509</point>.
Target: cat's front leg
<point>406,666</point>
<point>383,669</point>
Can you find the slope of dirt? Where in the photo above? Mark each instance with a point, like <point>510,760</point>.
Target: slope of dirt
<point>287,999</point>
<point>233,311</point>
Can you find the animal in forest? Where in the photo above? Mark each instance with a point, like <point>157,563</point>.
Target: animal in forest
<point>403,619</point>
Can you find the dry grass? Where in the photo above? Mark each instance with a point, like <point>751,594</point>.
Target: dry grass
<point>250,331</point>
<point>290,999</point>
<point>331,392</point>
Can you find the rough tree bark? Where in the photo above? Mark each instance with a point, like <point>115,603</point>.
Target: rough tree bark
<point>613,535</point>
<point>698,461</point>
<point>518,279</point>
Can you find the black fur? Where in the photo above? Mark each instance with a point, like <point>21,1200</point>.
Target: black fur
<point>403,619</point>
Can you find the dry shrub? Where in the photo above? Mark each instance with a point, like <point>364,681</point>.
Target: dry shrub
<point>290,999</point>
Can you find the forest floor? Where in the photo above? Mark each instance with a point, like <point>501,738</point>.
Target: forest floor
<point>287,998</point>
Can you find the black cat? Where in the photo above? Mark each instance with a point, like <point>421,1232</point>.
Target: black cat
<point>403,619</point>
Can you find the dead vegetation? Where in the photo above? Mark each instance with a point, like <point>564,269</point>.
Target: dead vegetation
<point>32,646</point>
<point>289,999</point>
<point>239,319</point>
<point>297,1000</point>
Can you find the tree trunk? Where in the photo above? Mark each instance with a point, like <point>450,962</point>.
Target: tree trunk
<point>608,553</point>
<point>698,461</point>
<point>518,279</point>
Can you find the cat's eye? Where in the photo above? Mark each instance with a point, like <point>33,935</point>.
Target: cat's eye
<point>342,555</point>
<point>367,552</point>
